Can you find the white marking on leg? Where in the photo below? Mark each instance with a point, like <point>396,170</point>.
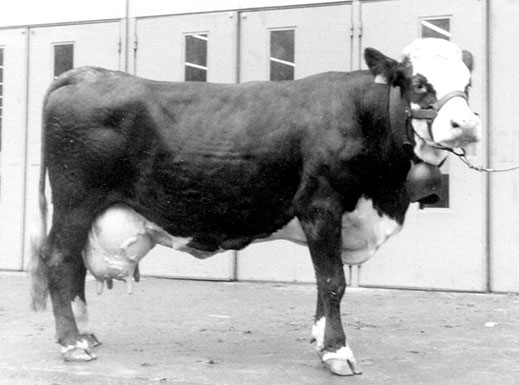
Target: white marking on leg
<point>79,308</point>
<point>81,344</point>
<point>318,333</point>
<point>340,360</point>
<point>344,353</point>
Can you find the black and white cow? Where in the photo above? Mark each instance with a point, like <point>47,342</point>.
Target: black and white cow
<point>205,168</point>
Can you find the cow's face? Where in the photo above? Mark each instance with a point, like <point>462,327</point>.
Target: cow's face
<point>435,76</point>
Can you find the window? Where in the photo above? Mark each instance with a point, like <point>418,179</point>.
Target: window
<point>282,63</point>
<point>63,58</point>
<point>195,64</point>
<point>438,28</point>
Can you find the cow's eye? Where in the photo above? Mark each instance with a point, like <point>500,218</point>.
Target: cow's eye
<point>419,87</point>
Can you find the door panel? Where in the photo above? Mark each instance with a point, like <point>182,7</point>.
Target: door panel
<point>439,247</point>
<point>12,148</point>
<point>168,48</point>
<point>161,46</point>
<point>52,50</point>
<point>321,42</point>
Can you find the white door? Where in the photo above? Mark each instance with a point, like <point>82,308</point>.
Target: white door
<point>440,247</point>
<point>53,50</point>
<point>12,145</point>
<point>177,48</point>
<point>283,45</point>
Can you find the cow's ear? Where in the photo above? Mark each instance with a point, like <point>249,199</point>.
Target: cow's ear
<point>468,59</point>
<point>382,66</point>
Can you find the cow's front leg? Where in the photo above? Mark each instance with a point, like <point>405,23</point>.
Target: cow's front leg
<point>322,226</point>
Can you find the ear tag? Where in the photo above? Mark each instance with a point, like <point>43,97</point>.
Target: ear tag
<point>380,79</point>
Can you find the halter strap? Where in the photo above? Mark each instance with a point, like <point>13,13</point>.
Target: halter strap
<point>430,113</point>
<point>448,96</point>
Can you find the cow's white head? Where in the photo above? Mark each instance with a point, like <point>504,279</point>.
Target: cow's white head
<point>435,76</point>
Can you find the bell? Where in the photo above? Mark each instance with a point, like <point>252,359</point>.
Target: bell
<point>423,183</point>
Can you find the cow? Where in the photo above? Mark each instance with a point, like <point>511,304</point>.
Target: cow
<point>332,160</point>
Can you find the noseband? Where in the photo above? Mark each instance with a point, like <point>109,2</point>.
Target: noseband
<point>429,114</point>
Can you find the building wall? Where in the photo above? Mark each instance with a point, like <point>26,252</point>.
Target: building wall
<point>35,12</point>
<point>450,247</point>
<point>503,55</point>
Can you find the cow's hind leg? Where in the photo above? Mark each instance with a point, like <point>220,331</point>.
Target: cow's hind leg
<point>80,310</point>
<point>321,222</point>
<point>66,276</point>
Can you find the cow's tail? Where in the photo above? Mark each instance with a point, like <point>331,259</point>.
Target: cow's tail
<point>38,235</point>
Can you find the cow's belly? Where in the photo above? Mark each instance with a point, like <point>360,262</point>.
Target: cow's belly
<point>120,238</point>
<point>363,232</point>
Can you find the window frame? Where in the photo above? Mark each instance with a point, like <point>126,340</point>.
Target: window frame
<point>186,64</point>
<point>269,51</point>
<point>53,56</point>
<point>428,19</point>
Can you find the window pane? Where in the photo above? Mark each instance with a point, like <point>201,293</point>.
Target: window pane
<point>282,45</point>
<point>282,57</point>
<point>279,71</point>
<point>196,74</point>
<point>438,28</point>
<point>63,58</point>
<point>196,57</point>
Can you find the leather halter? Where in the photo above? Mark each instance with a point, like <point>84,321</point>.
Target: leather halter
<point>430,113</point>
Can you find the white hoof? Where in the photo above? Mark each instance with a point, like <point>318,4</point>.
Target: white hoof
<point>79,352</point>
<point>341,362</point>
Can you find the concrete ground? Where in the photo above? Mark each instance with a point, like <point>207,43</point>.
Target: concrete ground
<point>188,332</point>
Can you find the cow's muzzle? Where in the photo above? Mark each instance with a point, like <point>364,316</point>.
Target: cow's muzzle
<point>429,114</point>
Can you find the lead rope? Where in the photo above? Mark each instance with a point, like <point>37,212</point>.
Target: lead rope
<point>463,157</point>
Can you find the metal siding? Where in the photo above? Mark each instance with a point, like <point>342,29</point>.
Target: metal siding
<point>504,131</point>
<point>12,168</point>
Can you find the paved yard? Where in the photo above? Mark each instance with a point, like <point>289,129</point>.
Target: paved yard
<point>189,332</point>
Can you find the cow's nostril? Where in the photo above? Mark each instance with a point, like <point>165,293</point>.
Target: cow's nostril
<point>454,124</point>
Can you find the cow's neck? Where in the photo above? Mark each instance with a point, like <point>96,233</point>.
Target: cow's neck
<point>384,128</point>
